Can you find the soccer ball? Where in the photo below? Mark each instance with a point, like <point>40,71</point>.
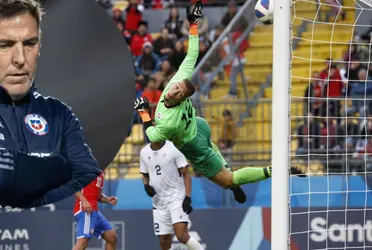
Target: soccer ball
<point>265,11</point>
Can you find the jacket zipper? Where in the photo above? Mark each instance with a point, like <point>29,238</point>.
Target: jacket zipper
<point>16,123</point>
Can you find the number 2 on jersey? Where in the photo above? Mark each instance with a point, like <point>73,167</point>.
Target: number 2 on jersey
<point>188,115</point>
<point>158,169</point>
<point>156,227</point>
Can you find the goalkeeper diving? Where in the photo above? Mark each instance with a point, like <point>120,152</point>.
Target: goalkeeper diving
<point>175,121</point>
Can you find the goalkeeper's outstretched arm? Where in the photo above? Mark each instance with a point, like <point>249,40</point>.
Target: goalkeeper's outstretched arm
<point>187,67</point>
<point>185,71</point>
<point>164,131</point>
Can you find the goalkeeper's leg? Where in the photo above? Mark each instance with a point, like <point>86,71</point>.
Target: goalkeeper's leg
<point>238,192</point>
<point>232,180</point>
<point>242,176</point>
<point>210,163</point>
<point>227,179</point>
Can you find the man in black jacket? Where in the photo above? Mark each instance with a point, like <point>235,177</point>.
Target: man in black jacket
<point>43,156</point>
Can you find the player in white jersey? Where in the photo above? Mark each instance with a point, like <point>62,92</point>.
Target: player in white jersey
<point>167,180</point>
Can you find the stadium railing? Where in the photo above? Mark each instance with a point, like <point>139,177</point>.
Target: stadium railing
<point>211,65</point>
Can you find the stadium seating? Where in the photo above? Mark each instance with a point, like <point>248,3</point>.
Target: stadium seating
<point>136,136</point>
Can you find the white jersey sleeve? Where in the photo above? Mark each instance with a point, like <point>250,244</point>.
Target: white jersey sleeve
<point>143,165</point>
<point>180,159</point>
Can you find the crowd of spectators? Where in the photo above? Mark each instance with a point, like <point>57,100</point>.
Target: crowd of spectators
<point>338,106</point>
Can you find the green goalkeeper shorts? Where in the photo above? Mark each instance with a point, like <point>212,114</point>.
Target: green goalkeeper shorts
<point>202,153</point>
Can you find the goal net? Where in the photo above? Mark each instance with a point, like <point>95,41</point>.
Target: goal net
<point>331,124</point>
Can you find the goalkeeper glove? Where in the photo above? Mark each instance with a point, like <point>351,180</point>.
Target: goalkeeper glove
<point>194,15</point>
<point>141,104</point>
<point>294,170</point>
<point>186,205</point>
<point>150,190</point>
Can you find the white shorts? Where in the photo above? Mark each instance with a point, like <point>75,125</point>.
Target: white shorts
<point>164,218</point>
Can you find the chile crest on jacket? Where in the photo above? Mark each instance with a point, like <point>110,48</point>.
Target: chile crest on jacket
<point>36,124</point>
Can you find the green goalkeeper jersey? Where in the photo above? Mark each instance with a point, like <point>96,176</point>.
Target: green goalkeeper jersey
<point>177,124</point>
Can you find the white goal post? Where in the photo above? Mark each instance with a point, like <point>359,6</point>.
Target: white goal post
<point>280,125</point>
<point>322,121</point>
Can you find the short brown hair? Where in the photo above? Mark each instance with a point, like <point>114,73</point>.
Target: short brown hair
<point>190,87</point>
<point>12,8</point>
